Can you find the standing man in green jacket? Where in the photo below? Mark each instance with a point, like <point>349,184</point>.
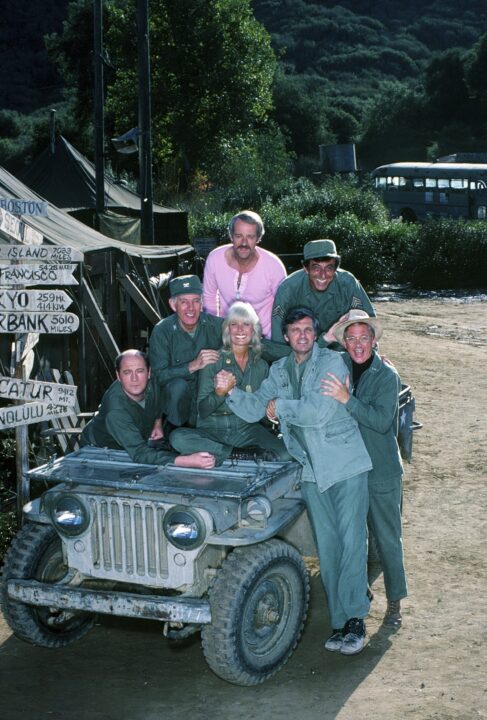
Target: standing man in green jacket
<point>322,286</point>
<point>370,394</point>
<point>129,417</point>
<point>180,345</point>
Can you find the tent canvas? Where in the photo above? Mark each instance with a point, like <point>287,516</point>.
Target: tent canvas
<point>67,179</point>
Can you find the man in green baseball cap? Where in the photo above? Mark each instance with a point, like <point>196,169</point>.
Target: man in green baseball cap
<point>321,286</point>
<point>180,345</point>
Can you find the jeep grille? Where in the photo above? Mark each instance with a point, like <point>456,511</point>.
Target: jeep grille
<point>127,538</point>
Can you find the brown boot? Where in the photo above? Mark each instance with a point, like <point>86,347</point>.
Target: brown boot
<point>393,617</point>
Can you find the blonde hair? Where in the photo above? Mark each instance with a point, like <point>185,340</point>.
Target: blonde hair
<point>245,312</point>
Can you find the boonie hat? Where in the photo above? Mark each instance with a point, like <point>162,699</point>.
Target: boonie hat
<point>357,316</point>
<point>185,285</point>
<point>320,248</point>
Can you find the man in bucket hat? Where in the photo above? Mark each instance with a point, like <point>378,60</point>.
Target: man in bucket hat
<point>322,286</point>
<point>370,394</point>
<point>180,345</point>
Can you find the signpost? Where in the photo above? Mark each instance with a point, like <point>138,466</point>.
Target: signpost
<point>36,300</point>
<point>24,207</point>
<point>16,415</point>
<point>37,390</point>
<point>17,229</point>
<point>54,253</point>
<point>38,322</point>
<point>37,274</point>
<point>27,314</point>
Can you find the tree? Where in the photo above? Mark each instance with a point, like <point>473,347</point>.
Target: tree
<point>212,74</point>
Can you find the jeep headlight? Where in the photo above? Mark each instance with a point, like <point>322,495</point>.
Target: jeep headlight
<point>68,514</point>
<point>184,528</point>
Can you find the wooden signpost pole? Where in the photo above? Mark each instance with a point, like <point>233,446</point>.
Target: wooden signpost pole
<point>26,313</point>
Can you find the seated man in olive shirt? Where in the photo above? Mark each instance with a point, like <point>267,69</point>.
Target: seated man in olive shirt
<point>129,416</point>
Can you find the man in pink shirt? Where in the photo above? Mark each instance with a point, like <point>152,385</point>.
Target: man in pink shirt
<point>243,271</point>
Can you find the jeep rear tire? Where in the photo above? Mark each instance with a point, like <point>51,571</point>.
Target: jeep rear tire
<point>259,603</point>
<point>36,553</point>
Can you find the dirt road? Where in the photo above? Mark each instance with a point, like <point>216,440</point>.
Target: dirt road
<point>434,668</point>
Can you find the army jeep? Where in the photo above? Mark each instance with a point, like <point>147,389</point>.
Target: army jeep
<point>196,550</point>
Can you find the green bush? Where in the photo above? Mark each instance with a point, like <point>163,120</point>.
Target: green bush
<point>449,254</point>
<point>435,254</point>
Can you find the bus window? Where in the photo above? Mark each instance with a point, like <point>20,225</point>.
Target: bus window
<point>443,183</point>
<point>380,183</point>
<point>418,183</point>
<point>431,182</point>
<point>459,183</point>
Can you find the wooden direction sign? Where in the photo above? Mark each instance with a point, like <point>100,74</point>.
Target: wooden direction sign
<point>43,392</point>
<point>37,274</point>
<point>40,300</point>
<point>17,229</point>
<point>15,415</point>
<point>24,207</point>
<point>55,253</point>
<point>38,322</point>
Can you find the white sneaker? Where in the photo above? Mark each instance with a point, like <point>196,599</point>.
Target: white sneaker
<point>334,642</point>
<point>353,637</point>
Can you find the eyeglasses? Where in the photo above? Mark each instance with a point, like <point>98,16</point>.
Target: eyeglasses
<point>354,340</point>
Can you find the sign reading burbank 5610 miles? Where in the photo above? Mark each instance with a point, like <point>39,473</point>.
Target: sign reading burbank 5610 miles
<point>38,322</point>
<point>14,415</point>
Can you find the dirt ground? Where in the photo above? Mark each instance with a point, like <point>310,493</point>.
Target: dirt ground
<point>434,668</point>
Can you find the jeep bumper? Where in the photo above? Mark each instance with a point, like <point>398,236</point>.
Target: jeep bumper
<point>107,602</point>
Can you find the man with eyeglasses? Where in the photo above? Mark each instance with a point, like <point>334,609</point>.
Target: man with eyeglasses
<point>370,394</point>
<point>322,286</point>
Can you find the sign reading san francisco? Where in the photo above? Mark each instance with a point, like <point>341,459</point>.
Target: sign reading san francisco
<point>14,415</point>
<point>44,392</point>
<point>38,322</point>
<point>36,274</point>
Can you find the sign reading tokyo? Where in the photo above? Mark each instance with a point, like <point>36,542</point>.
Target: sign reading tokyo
<point>38,322</point>
<point>43,392</point>
<point>40,300</point>
<point>24,207</point>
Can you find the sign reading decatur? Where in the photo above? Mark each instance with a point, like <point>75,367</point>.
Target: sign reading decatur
<point>55,253</point>
<point>40,300</point>
<point>14,415</point>
<point>38,322</point>
<point>37,274</point>
<point>44,392</point>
